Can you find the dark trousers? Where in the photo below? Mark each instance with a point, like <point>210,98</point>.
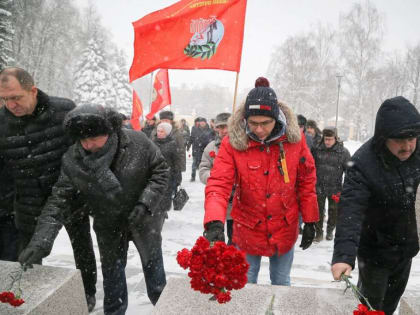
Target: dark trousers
<point>229,230</point>
<point>113,245</point>
<point>8,239</point>
<point>195,164</point>
<point>383,286</point>
<point>78,230</point>
<point>332,214</point>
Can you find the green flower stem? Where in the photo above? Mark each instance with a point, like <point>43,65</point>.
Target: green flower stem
<point>355,290</point>
<point>16,276</point>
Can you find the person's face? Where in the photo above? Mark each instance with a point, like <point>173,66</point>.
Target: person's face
<point>150,122</point>
<point>401,148</point>
<point>160,133</point>
<point>222,130</point>
<point>329,141</point>
<point>311,131</point>
<point>94,144</point>
<point>166,120</point>
<point>261,126</point>
<point>18,101</point>
<point>203,124</point>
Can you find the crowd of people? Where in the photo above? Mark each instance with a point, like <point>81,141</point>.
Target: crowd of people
<point>268,174</point>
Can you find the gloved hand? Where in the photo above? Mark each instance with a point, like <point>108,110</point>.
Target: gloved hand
<point>308,235</point>
<point>136,214</point>
<point>31,255</point>
<point>214,231</point>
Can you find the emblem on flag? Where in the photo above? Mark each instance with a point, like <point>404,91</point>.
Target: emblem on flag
<point>208,34</point>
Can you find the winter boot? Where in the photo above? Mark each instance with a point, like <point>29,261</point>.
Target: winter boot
<point>91,302</point>
<point>329,236</point>
<point>319,237</point>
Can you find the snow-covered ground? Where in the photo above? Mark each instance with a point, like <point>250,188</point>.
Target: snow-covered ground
<point>310,267</point>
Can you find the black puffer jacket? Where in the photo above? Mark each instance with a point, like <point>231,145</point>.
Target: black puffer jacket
<point>6,194</point>
<point>31,147</point>
<point>330,166</point>
<point>376,210</point>
<point>170,152</point>
<point>140,175</point>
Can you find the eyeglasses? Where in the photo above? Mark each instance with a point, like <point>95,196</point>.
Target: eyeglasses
<point>263,124</point>
<point>4,100</point>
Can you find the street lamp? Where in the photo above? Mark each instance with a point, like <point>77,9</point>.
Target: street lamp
<point>338,76</point>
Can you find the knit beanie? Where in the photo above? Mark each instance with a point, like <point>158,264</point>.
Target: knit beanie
<point>166,127</point>
<point>262,100</point>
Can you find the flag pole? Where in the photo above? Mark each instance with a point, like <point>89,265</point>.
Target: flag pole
<point>151,92</point>
<point>236,90</point>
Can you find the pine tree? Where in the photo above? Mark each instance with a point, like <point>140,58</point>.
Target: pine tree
<point>92,80</point>
<point>6,34</point>
<point>123,89</point>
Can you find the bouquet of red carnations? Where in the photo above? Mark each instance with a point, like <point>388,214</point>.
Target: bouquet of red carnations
<point>9,296</point>
<point>214,268</point>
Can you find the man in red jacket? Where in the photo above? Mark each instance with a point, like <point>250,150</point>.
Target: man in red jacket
<point>267,158</point>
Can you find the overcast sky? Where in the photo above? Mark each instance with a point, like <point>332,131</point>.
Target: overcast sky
<point>268,23</point>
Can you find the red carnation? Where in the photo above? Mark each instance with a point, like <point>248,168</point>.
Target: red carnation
<point>212,154</point>
<point>223,297</point>
<point>183,258</point>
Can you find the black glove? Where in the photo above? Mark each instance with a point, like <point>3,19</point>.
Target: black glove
<point>214,231</point>
<point>29,256</point>
<point>308,235</point>
<point>135,217</point>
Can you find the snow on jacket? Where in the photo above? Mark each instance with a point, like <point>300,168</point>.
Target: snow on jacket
<point>31,147</point>
<point>170,152</point>
<point>377,218</point>
<point>139,175</point>
<point>330,166</point>
<point>265,208</point>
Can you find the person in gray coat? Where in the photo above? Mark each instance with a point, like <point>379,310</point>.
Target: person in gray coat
<point>207,160</point>
<point>121,175</point>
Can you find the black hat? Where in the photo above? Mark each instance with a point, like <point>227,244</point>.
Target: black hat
<point>301,120</point>
<point>329,132</point>
<point>91,120</point>
<point>311,124</point>
<point>166,114</point>
<point>262,100</point>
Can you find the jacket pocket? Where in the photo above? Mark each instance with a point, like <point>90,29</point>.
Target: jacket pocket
<point>245,219</point>
<point>254,173</point>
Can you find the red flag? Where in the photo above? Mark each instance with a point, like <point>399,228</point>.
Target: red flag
<point>190,34</point>
<point>137,112</point>
<point>161,93</point>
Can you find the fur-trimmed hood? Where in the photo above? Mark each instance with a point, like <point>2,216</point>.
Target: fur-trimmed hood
<point>237,129</point>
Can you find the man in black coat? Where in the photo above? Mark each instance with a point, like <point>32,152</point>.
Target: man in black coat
<point>32,142</point>
<point>331,160</point>
<point>200,138</point>
<point>121,175</point>
<point>377,222</point>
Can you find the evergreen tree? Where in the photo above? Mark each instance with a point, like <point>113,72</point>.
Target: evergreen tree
<point>92,80</point>
<point>6,33</point>
<point>123,89</point>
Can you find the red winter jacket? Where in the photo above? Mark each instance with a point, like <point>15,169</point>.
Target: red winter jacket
<point>265,208</point>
